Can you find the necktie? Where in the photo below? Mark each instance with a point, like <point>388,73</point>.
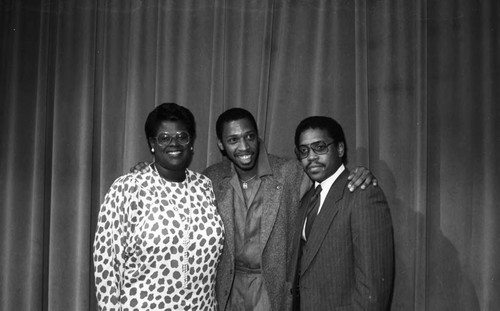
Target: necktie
<point>312,210</point>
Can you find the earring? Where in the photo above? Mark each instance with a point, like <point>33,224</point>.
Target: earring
<point>191,148</point>
<point>152,150</point>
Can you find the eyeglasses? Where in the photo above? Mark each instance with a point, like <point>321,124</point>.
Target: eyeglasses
<point>319,147</point>
<point>164,139</point>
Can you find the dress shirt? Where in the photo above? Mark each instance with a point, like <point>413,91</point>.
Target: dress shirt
<point>325,188</point>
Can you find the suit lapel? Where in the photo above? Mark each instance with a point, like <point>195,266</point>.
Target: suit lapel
<point>302,213</point>
<point>297,236</point>
<point>324,220</point>
<point>271,191</point>
<point>225,208</point>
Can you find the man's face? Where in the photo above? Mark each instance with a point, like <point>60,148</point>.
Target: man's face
<point>320,166</point>
<point>240,142</point>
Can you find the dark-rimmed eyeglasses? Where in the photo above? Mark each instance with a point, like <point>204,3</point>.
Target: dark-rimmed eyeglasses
<point>164,139</point>
<point>319,147</point>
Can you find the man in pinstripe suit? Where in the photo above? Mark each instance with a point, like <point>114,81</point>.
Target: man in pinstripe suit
<point>343,258</point>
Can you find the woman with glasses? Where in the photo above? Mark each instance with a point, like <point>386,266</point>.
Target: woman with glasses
<point>159,236</point>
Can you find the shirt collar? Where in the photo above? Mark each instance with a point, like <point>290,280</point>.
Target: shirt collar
<point>327,183</point>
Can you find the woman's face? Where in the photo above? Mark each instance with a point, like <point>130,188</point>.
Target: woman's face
<point>173,155</point>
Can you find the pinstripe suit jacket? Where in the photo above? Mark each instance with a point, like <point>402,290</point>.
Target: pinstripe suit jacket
<point>347,262</point>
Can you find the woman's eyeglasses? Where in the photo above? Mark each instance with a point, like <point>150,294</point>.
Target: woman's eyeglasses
<point>164,139</point>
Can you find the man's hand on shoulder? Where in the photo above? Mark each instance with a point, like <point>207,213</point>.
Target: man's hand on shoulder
<point>361,177</point>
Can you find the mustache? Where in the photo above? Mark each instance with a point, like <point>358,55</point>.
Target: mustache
<point>314,164</point>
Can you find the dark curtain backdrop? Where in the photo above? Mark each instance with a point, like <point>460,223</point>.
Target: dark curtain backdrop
<point>415,85</point>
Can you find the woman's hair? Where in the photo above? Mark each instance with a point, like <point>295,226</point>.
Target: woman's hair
<point>169,112</point>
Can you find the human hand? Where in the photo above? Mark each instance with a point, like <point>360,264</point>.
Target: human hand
<point>361,176</point>
<point>142,167</point>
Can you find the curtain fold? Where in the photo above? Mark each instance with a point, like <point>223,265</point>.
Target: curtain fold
<point>396,135</point>
<point>463,145</point>
<point>414,85</point>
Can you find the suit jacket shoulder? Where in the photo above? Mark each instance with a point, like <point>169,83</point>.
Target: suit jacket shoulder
<point>284,168</point>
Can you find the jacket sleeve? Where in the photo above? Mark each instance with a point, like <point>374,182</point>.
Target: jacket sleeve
<point>373,249</point>
<point>109,248</point>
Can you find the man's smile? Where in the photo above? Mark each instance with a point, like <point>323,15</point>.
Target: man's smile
<point>246,157</point>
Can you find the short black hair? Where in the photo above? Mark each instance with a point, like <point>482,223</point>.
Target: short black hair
<point>233,114</point>
<point>169,112</point>
<point>328,124</point>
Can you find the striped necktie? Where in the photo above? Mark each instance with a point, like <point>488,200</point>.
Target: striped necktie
<point>312,210</point>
